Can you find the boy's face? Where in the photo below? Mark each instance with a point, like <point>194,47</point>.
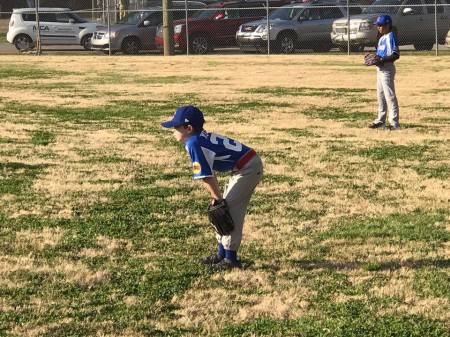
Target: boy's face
<point>182,132</point>
<point>383,29</point>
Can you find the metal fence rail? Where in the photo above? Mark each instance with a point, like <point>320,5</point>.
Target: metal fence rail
<point>253,27</point>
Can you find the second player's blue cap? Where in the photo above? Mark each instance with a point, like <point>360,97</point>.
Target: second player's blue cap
<point>187,114</point>
<point>383,20</point>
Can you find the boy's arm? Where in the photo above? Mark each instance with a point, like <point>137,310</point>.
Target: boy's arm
<point>212,185</point>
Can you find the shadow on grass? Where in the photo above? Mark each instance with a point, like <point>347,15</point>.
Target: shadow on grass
<point>370,266</point>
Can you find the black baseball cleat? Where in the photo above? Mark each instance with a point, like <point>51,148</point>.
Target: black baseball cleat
<point>376,125</point>
<point>226,264</point>
<point>212,259</point>
<point>394,127</point>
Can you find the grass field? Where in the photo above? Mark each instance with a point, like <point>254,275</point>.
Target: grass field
<point>101,225</point>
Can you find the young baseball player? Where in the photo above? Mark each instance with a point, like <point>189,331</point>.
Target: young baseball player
<point>211,152</point>
<point>387,53</point>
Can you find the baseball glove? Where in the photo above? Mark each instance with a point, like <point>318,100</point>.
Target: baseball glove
<point>220,217</point>
<point>372,60</point>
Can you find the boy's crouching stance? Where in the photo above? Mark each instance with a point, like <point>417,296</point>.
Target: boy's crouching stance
<point>211,152</point>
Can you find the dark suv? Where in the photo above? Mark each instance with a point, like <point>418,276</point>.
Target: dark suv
<point>216,25</point>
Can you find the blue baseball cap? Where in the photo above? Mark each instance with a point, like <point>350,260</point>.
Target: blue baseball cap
<point>186,115</point>
<point>383,20</point>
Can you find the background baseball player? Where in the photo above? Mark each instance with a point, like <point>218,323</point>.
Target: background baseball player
<point>211,152</point>
<point>387,53</point>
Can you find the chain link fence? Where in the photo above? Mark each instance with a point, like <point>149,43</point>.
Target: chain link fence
<point>252,26</point>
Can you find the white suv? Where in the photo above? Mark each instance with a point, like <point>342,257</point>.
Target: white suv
<point>57,26</point>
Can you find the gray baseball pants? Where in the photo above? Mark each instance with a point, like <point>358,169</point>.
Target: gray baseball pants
<point>238,192</point>
<point>386,94</point>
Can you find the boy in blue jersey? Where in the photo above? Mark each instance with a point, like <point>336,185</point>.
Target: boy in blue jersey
<point>211,152</point>
<point>387,53</point>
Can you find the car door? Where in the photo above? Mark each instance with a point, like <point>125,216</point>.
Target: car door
<point>48,28</point>
<point>412,23</point>
<point>226,23</point>
<point>147,33</point>
<point>442,17</point>
<point>66,29</point>
<point>310,25</point>
<point>324,26</point>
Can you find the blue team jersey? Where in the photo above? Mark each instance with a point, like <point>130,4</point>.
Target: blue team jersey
<point>387,45</point>
<point>212,152</point>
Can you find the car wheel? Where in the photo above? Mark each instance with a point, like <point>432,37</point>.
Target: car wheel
<point>200,44</point>
<point>286,43</point>
<point>131,46</point>
<point>23,42</point>
<point>423,46</point>
<point>86,42</point>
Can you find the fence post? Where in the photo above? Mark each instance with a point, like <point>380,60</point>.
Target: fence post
<point>38,30</point>
<point>187,27</point>
<point>436,27</point>
<point>109,26</point>
<point>348,27</point>
<point>268,27</point>
<point>167,27</point>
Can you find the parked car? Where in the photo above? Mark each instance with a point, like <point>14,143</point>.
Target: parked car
<point>57,26</point>
<point>301,25</point>
<point>413,22</point>
<point>137,30</point>
<point>216,25</point>
<point>447,39</point>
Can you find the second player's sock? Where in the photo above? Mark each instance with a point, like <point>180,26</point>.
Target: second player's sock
<point>231,255</point>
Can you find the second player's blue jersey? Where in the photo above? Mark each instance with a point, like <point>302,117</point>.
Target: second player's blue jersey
<point>387,45</point>
<point>211,152</point>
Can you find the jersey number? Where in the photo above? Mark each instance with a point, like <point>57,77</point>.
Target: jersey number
<point>214,138</point>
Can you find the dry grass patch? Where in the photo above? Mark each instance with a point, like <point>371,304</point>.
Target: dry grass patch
<point>38,239</point>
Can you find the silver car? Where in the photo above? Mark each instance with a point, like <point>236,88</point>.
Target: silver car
<point>137,30</point>
<point>413,22</point>
<point>301,25</point>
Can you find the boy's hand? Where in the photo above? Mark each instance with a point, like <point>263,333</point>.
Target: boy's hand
<point>215,201</point>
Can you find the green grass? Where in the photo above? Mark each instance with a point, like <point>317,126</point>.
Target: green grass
<point>297,132</point>
<point>3,38</point>
<point>418,225</point>
<point>390,151</point>
<point>337,114</point>
<point>350,319</point>
<point>27,72</point>
<point>42,138</point>
<point>138,110</point>
<point>17,178</point>
<point>306,91</point>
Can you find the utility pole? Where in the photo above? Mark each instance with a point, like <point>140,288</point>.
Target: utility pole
<point>167,27</point>
<point>38,29</point>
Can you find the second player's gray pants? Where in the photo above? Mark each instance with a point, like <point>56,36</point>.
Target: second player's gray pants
<point>386,94</point>
<point>237,194</point>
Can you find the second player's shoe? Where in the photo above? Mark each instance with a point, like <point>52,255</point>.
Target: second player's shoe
<point>226,264</point>
<point>212,259</point>
<point>377,125</point>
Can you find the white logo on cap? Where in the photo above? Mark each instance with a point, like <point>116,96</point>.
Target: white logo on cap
<point>186,120</point>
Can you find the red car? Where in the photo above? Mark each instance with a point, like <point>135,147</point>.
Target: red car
<point>216,25</point>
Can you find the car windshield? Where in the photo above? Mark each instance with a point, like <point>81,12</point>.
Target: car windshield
<point>285,13</point>
<point>383,6</point>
